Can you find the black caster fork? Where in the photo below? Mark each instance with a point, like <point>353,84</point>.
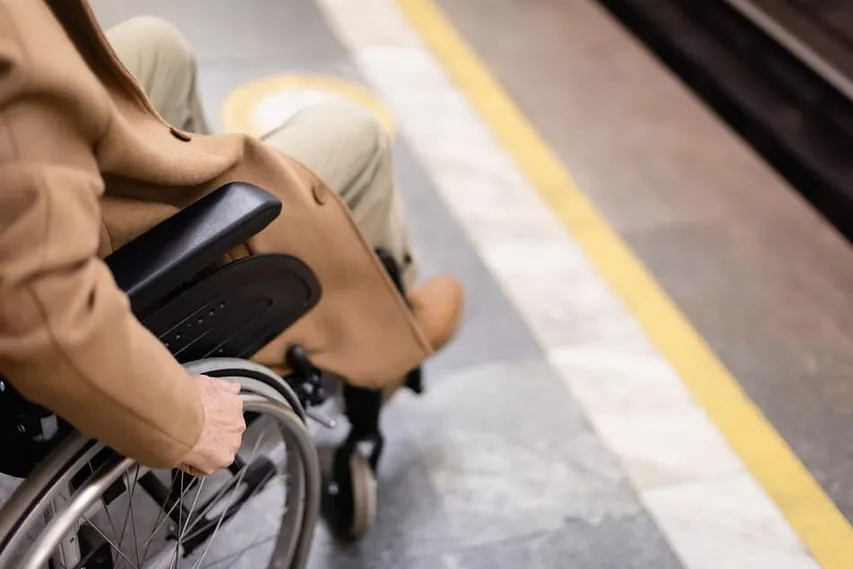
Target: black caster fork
<point>350,498</point>
<point>349,504</point>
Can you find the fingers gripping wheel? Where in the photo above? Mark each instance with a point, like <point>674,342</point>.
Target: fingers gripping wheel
<point>85,506</point>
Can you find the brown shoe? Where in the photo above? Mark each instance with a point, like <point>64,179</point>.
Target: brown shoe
<point>438,305</point>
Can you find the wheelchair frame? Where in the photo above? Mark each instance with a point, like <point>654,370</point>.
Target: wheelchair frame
<point>201,309</point>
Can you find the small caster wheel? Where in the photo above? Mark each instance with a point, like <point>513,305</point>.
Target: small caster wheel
<point>350,507</point>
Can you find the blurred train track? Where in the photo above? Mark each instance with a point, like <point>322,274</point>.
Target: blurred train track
<point>793,112</point>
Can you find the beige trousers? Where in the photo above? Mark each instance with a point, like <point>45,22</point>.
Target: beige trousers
<point>344,144</point>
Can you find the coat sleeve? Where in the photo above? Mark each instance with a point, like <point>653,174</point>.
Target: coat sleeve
<point>68,339</point>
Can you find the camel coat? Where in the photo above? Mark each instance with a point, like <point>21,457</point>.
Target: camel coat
<point>86,165</point>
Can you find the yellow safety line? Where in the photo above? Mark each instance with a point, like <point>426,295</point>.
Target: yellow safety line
<point>811,513</point>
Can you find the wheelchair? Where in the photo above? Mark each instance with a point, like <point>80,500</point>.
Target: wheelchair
<point>81,505</point>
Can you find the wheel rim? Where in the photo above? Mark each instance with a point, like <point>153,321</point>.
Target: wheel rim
<point>295,531</point>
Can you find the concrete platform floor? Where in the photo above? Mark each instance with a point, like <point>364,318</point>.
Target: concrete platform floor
<point>554,433</point>
<point>758,273</point>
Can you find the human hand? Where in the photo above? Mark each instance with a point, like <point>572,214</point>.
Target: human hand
<point>222,431</point>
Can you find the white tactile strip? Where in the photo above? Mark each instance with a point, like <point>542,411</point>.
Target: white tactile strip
<point>711,510</point>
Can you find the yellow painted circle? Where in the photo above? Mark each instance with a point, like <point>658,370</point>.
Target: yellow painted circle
<point>261,106</point>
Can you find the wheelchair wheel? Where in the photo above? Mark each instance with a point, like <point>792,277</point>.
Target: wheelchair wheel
<point>87,507</point>
<point>351,496</point>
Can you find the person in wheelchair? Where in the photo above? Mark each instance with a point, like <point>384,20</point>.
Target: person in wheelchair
<point>103,138</point>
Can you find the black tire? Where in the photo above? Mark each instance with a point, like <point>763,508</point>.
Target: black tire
<point>350,500</point>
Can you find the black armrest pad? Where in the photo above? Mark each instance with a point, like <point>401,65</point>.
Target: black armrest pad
<point>174,251</point>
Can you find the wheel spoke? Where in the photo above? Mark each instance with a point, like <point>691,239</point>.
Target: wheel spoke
<point>132,516</point>
<point>200,519</point>
<point>127,514</point>
<point>180,512</point>
<point>230,502</point>
<point>106,510</point>
<point>166,515</point>
<point>112,544</point>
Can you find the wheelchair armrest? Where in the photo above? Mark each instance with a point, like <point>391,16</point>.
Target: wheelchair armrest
<point>171,253</point>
